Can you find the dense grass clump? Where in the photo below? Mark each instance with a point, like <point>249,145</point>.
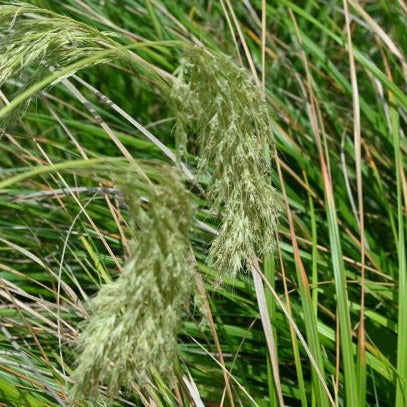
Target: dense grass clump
<point>103,243</point>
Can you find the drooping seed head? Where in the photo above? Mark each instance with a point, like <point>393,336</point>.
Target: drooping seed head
<point>134,322</point>
<point>218,101</point>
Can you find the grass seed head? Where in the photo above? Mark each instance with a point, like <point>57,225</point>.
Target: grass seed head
<point>219,102</point>
<point>134,320</point>
<point>34,41</point>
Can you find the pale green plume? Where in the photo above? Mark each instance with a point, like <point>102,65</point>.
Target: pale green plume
<point>34,42</point>
<point>134,320</point>
<point>36,38</point>
<point>219,101</point>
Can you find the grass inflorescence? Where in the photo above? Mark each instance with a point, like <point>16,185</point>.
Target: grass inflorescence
<point>34,42</point>
<point>221,103</point>
<point>134,321</point>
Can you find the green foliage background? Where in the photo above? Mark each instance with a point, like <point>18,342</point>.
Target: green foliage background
<point>340,181</point>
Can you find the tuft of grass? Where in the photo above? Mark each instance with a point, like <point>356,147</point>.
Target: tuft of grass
<point>65,229</point>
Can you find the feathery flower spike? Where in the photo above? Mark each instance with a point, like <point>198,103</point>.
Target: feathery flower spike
<point>134,320</point>
<point>219,101</point>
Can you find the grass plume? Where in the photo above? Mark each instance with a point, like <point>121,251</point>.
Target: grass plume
<point>34,42</point>
<point>134,320</point>
<point>220,102</point>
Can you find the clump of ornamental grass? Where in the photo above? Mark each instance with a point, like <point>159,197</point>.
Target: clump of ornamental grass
<point>134,321</point>
<point>219,102</point>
